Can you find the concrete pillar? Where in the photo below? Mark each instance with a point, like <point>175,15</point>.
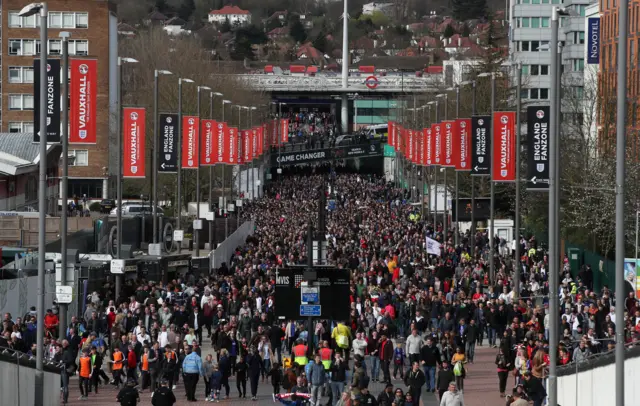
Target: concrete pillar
<point>344,114</point>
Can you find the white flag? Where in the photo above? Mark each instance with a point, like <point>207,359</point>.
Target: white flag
<point>433,247</point>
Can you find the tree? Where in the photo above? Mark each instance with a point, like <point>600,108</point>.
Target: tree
<point>448,31</point>
<point>297,30</point>
<point>377,19</point>
<point>466,31</point>
<point>226,25</point>
<point>320,43</point>
<point>464,10</point>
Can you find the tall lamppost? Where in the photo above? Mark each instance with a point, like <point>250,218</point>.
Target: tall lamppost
<point>179,150</point>
<point>445,218</point>
<point>156,152</point>
<point>435,169</point>
<point>253,185</point>
<point>196,232</point>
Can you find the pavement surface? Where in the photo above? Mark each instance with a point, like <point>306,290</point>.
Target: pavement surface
<point>480,388</point>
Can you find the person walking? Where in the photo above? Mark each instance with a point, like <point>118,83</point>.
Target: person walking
<point>225,369</point>
<point>68,369</point>
<point>413,345</point>
<point>118,364</point>
<point>241,377</point>
<point>386,355</point>
<point>338,377</point>
<point>84,373</point>
<point>430,358</point>
<point>163,396</point>
<point>254,366</point>
<point>451,397</point>
<point>276,378</point>
<point>504,366</point>
<point>317,378</point>
<point>191,371</point>
<point>445,376</point>
<point>414,379</point>
<point>128,396</point>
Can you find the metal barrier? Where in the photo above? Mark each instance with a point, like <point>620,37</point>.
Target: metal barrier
<point>223,252</point>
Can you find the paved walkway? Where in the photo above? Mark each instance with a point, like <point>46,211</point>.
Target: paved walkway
<point>481,388</point>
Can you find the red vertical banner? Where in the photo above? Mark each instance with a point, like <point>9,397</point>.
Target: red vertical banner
<point>189,142</point>
<point>416,155</point>
<point>83,95</point>
<point>421,157</point>
<point>254,142</point>
<point>134,149</point>
<point>428,150</point>
<point>263,138</point>
<point>231,145</point>
<point>390,139</point>
<point>274,132</point>
<point>246,146</point>
<point>397,129</point>
<point>208,144</point>
<point>447,147</point>
<point>284,130</point>
<point>503,166</point>
<point>436,134</point>
<point>463,143</point>
<point>410,145</point>
<point>221,141</point>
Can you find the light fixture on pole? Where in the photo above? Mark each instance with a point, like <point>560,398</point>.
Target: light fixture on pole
<point>518,267</point>
<point>65,180</point>
<point>179,151</point>
<point>472,242</point>
<point>156,152</point>
<point>27,11</point>
<point>212,96</point>
<point>445,217</point>
<point>253,183</point>
<point>435,169</point>
<point>198,221</point>
<point>250,147</point>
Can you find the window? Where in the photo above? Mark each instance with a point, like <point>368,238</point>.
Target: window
<point>535,22</point>
<point>544,22</point>
<point>20,74</point>
<point>20,127</point>
<point>55,19</point>
<point>525,22</point>
<point>525,46</point>
<point>68,20</point>
<point>20,102</point>
<point>78,47</point>
<point>535,1</point>
<point>577,65</point>
<point>82,20</point>
<point>535,70</point>
<point>81,157</point>
<point>534,93</point>
<point>544,70</point>
<point>55,47</point>
<point>525,69</point>
<point>544,94</point>
<point>632,52</point>
<point>535,45</point>
<point>15,21</point>
<point>25,47</point>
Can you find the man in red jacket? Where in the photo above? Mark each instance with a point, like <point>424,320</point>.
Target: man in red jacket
<point>132,365</point>
<point>385,351</point>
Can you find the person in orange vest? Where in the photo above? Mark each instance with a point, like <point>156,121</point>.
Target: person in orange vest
<point>84,372</point>
<point>118,363</point>
<point>326,356</point>
<point>300,354</point>
<point>169,365</point>
<point>144,367</point>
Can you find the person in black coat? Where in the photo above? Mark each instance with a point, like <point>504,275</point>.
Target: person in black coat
<point>195,322</point>
<point>414,379</point>
<point>254,366</point>
<point>224,365</point>
<point>386,397</point>
<point>535,389</point>
<point>163,396</point>
<point>445,376</point>
<point>472,338</point>
<point>241,376</point>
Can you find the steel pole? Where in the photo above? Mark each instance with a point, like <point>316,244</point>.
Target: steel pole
<point>636,246</point>
<point>516,276</point>
<point>119,177</point>
<point>457,232</point>
<point>445,218</point>
<point>435,180</point>
<point>196,233</point>
<point>492,242</point>
<point>154,158</point>
<point>179,151</point>
<point>553,248</point>
<point>472,236</point>
<point>621,116</point>
<point>65,183</point>
<point>42,207</point>
<point>211,98</point>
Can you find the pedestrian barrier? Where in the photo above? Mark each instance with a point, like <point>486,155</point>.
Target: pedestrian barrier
<point>17,375</point>
<point>223,252</point>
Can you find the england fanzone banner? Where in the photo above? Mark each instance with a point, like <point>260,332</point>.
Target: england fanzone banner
<point>208,144</point>
<point>462,144</point>
<point>168,162</point>
<point>436,134</point>
<point>133,127</point>
<point>189,142</point>
<point>504,149</point>
<point>449,128</point>
<point>433,246</point>
<point>246,146</point>
<point>538,148</point>
<point>83,95</point>
<point>428,145</point>
<point>390,138</point>
<point>232,140</point>
<point>52,100</point>
<point>284,130</point>
<point>481,145</point>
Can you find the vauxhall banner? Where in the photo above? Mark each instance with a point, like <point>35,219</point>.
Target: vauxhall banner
<point>410,145</point>
<point>538,148</point>
<point>221,140</point>
<point>505,146</point>
<point>254,142</point>
<point>232,141</point>
<point>593,41</point>
<point>481,145</point>
<point>462,144</point>
<point>263,134</point>
<point>421,155</point>
<point>189,142</point>
<point>428,145</point>
<point>284,130</point>
<point>436,134</point>
<point>246,146</point>
<point>133,120</point>
<point>168,162</point>
<point>390,132</point>
<point>208,142</point>
<point>449,128</point>
<point>83,92</point>
<point>53,100</point>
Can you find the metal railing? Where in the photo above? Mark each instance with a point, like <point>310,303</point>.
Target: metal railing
<point>334,84</point>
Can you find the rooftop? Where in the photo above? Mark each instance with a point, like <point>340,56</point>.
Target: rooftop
<point>228,10</point>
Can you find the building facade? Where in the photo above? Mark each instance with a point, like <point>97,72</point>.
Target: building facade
<point>93,28</point>
<point>234,14</point>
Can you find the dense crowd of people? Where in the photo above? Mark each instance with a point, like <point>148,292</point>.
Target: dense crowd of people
<point>415,319</point>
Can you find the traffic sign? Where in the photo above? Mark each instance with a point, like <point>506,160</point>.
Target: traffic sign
<point>178,235</point>
<point>309,294</point>
<point>310,310</point>
<point>64,294</point>
<point>117,266</point>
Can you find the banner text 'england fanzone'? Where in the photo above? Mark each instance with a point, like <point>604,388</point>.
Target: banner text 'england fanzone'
<point>52,97</point>
<point>481,145</point>
<point>538,148</point>
<point>168,161</point>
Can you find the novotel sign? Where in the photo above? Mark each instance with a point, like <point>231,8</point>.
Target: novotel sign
<point>593,41</point>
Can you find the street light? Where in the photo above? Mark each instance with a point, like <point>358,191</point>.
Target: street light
<point>65,178</point>
<point>156,151</point>
<point>445,219</point>
<point>196,232</point>
<point>179,150</point>
<point>27,11</point>
<point>212,96</point>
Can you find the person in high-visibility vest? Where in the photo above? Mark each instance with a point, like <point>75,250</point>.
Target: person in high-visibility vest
<point>118,362</point>
<point>144,368</point>
<point>84,372</point>
<point>300,354</point>
<point>326,355</point>
<point>342,336</point>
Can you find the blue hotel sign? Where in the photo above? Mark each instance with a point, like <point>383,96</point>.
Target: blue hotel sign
<point>593,41</point>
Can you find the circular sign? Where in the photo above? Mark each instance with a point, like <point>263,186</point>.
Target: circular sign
<point>371,82</point>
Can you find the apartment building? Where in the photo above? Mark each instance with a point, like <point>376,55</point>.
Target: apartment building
<point>93,28</point>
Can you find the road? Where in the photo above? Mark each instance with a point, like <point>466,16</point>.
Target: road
<point>481,388</point>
